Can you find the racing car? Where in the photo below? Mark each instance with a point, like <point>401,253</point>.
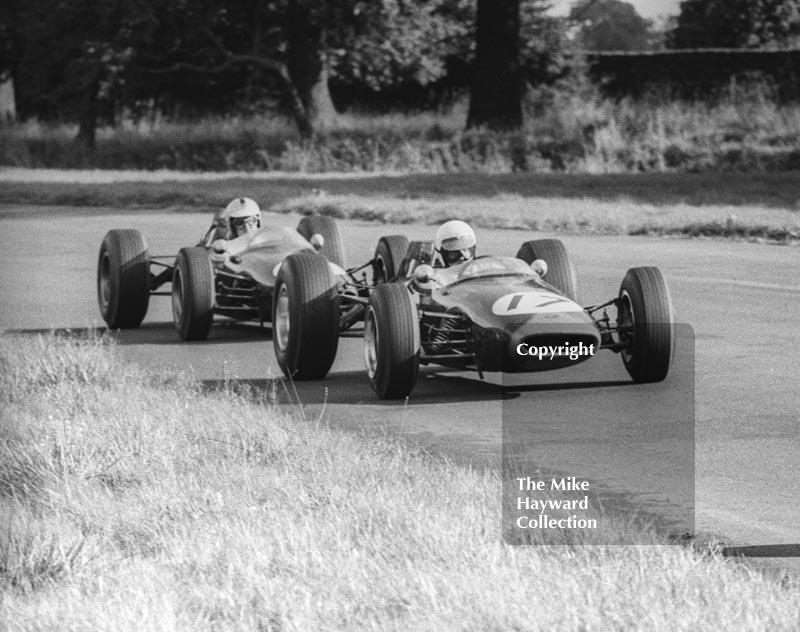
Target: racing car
<point>291,278</point>
<point>509,314</point>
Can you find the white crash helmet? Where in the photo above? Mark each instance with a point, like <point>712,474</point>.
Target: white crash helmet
<point>243,215</point>
<point>455,242</point>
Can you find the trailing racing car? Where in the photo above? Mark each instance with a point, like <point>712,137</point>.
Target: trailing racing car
<point>510,314</point>
<point>291,278</point>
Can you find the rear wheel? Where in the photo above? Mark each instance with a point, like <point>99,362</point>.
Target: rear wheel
<point>560,273</point>
<point>391,341</point>
<point>123,279</point>
<point>644,316</point>
<point>389,255</point>
<point>332,248</point>
<point>193,294</point>
<point>305,317</point>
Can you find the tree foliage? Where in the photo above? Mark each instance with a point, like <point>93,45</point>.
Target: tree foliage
<point>546,54</point>
<point>609,25</point>
<point>397,41</point>
<point>737,24</point>
<point>88,61</point>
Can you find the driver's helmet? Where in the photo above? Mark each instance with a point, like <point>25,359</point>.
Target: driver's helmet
<point>455,242</point>
<point>243,217</point>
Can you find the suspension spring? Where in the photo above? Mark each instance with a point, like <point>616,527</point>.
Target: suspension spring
<point>441,336</point>
<point>351,316</point>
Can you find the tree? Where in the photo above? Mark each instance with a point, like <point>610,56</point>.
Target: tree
<point>303,43</point>
<point>223,48</point>
<point>400,41</point>
<point>89,62</point>
<point>546,55</point>
<point>609,25</point>
<point>66,58</point>
<point>497,84</point>
<point>737,24</point>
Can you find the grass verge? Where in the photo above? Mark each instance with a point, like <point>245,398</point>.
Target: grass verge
<point>756,207</point>
<point>133,501</point>
<point>563,216</point>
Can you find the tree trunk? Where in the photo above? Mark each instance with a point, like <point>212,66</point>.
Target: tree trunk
<point>321,110</point>
<point>8,103</point>
<point>308,66</point>
<point>497,86</point>
<point>254,78</point>
<point>87,114</point>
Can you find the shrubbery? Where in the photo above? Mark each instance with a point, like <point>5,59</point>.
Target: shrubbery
<point>569,129</point>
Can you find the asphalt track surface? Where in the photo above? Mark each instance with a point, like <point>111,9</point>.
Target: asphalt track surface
<point>742,301</point>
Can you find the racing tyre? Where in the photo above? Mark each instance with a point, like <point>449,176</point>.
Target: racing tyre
<point>560,273</point>
<point>644,316</point>
<point>389,255</point>
<point>305,317</point>
<point>391,341</point>
<point>123,279</point>
<point>332,249</point>
<point>193,294</point>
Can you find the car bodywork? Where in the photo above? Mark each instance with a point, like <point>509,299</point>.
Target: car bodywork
<point>245,269</point>
<point>498,304</point>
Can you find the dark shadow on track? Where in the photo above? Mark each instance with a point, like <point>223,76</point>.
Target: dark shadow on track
<point>435,386</point>
<point>529,388</point>
<point>159,333</point>
<point>762,550</point>
<point>352,387</point>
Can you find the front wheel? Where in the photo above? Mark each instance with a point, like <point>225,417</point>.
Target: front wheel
<point>645,322</point>
<point>389,256</point>
<point>193,294</point>
<point>305,317</point>
<point>391,341</point>
<point>560,272</point>
<point>332,246</point>
<point>123,279</point>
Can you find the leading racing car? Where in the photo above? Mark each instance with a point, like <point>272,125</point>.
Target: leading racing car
<point>510,314</point>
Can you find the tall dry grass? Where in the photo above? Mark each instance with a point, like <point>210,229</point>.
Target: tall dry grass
<point>572,130</point>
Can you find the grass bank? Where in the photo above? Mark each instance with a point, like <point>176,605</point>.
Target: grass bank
<point>131,500</point>
<point>754,206</point>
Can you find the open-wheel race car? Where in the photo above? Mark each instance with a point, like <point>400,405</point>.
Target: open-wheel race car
<point>509,314</point>
<point>291,278</point>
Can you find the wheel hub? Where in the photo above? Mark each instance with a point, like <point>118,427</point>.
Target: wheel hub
<point>282,324</point>
<point>626,325</point>
<point>371,343</point>
<point>105,282</point>
<point>177,296</point>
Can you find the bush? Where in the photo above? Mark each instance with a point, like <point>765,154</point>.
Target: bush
<point>570,128</point>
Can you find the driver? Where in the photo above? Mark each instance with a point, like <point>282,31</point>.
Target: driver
<point>455,242</point>
<point>243,217</point>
